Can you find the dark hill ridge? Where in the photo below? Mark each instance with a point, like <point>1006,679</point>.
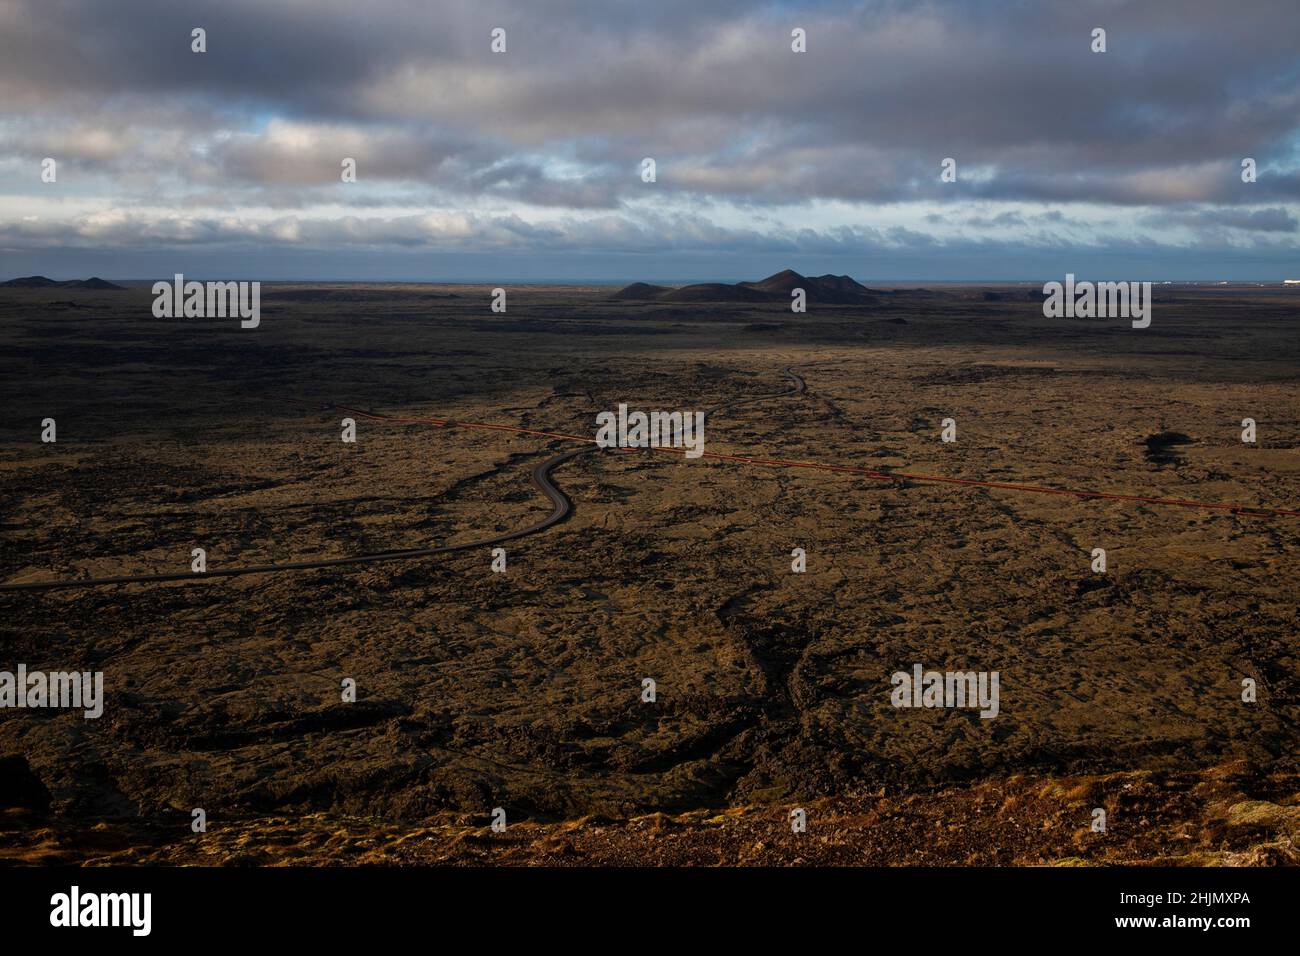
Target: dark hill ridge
<point>41,282</point>
<point>835,290</point>
<point>715,292</point>
<point>782,282</point>
<point>641,290</point>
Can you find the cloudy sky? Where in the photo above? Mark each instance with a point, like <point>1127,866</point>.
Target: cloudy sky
<point>482,166</point>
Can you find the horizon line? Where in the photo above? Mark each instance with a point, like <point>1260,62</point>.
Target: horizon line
<point>591,281</point>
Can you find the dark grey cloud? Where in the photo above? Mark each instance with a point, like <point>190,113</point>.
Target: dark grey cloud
<point>588,88</point>
<point>885,91</point>
<point>1213,221</point>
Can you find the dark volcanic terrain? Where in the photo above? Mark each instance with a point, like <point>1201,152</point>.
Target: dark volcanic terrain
<point>522,690</point>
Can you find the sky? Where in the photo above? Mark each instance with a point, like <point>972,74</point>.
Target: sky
<point>527,165</point>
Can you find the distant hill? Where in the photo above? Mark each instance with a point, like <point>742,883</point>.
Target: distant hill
<point>827,288</point>
<point>30,282</point>
<point>640,290</point>
<point>837,290</point>
<point>41,282</point>
<point>715,292</point>
<point>783,282</point>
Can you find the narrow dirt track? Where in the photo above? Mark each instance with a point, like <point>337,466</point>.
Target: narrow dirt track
<point>563,507</point>
<point>541,476</point>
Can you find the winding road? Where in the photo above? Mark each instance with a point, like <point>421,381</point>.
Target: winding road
<point>561,507</point>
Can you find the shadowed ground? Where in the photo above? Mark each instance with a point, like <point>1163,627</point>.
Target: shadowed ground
<point>478,690</point>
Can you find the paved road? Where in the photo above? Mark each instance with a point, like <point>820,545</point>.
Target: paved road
<point>561,507</point>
